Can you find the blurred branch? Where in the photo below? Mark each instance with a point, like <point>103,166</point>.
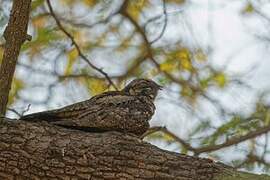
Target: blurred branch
<point>263,15</point>
<point>120,77</point>
<point>150,55</point>
<point>209,148</point>
<point>234,141</point>
<point>164,25</point>
<point>85,25</point>
<point>77,46</point>
<point>15,34</point>
<point>166,131</point>
<point>250,160</point>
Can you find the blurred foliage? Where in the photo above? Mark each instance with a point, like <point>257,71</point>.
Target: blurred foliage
<point>17,85</point>
<point>248,8</point>
<point>1,54</point>
<point>99,29</point>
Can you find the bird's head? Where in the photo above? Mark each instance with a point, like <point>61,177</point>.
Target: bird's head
<point>143,87</point>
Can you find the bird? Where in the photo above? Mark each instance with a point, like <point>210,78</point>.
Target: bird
<point>128,110</point>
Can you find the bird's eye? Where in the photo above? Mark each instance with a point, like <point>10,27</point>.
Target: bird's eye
<point>146,89</point>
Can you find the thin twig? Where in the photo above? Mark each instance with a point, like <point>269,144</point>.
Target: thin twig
<point>27,109</point>
<point>164,25</point>
<point>77,46</point>
<point>14,111</point>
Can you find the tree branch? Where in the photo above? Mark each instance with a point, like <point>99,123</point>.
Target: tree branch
<point>209,148</point>
<point>15,34</point>
<point>147,44</point>
<point>234,141</point>
<point>42,151</point>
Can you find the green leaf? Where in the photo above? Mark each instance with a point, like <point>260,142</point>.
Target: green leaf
<point>248,9</point>
<point>36,4</point>
<point>223,130</point>
<point>43,39</point>
<point>201,127</point>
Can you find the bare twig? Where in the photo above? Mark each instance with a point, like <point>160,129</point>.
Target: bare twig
<point>17,113</point>
<point>27,109</point>
<point>14,111</point>
<point>164,25</point>
<point>77,46</point>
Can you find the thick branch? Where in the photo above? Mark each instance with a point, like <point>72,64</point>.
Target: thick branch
<point>15,34</point>
<point>42,151</point>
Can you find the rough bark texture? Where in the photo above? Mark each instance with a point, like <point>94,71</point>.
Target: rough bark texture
<point>15,34</point>
<point>42,151</point>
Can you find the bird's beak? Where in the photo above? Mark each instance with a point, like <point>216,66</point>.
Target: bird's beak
<point>160,87</point>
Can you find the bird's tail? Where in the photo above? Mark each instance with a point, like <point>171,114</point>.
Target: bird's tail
<point>41,116</point>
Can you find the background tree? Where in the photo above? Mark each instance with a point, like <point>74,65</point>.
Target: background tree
<point>82,48</point>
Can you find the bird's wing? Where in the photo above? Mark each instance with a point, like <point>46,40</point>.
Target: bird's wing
<point>105,113</point>
<point>67,112</point>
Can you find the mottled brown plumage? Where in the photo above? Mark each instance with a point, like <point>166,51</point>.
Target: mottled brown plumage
<point>128,110</point>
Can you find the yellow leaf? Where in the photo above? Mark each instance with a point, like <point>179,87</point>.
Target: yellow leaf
<point>166,66</point>
<point>186,64</point>
<point>220,79</point>
<point>90,3</point>
<point>183,53</point>
<point>267,117</point>
<point>175,1</point>
<point>67,2</point>
<point>72,56</point>
<point>96,86</point>
<point>168,137</point>
<point>135,8</point>
<point>1,54</point>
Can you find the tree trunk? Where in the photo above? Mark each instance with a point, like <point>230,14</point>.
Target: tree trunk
<point>15,34</point>
<point>42,151</point>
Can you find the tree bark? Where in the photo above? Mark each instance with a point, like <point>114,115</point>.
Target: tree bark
<point>15,34</point>
<point>42,151</point>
